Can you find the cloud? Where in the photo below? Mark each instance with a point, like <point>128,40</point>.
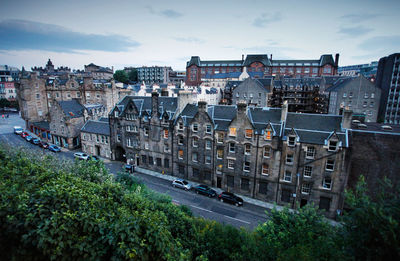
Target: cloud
<point>266,18</point>
<point>388,44</point>
<point>188,40</point>
<point>358,18</point>
<point>355,31</point>
<point>29,35</point>
<point>169,13</point>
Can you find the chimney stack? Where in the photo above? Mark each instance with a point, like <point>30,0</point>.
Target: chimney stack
<point>202,106</point>
<point>284,111</point>
<point>336,60</point>
<point>241,107</point>
<point>154,103</point>
<point>242,57</point>
<point>346,118</point>
<point>271,57</point>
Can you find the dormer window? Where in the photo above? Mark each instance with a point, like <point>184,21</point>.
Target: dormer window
<point>291,141</point>
<point>166,134</point>
<point>220,137</point>
<point>332,145</point>
<point>208,128</point>
<point>249,133</point>
<point>268,134</point>
<point>195,127</point>
<point>115,113</point>
<point>232,132</point>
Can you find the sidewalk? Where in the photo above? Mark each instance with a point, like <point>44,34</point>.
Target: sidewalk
<point>245,199</point>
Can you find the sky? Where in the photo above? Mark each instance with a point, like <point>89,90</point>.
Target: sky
<point>123,33</point>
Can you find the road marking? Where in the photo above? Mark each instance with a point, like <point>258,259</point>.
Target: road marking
<point>237,219</point>
<point>201,209</point>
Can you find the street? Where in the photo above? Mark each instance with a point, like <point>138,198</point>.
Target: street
<point>248,216</point>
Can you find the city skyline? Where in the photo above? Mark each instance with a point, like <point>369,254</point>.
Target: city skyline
<point>132,33</point>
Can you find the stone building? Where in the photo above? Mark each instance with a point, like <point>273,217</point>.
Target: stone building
<point>266,153</point>
<point>95,138</point>
<point>253,91</point>
<point>99,72</point>
<point>357,93</point>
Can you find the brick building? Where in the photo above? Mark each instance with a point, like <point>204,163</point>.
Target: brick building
<point>261,66</point>
<point>266,153</point>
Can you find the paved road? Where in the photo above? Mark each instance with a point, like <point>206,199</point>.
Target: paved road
<point>248,216</point>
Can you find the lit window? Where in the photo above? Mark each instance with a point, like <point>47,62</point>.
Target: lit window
<point>267,152</point>
<point>265,169</point>
<point>326,183</point>
<point>332,145</point>
<point>249,133</point>
<point>289,159</point>
<point>287,176</point>
<point>267,135</point>
<point>219,169</point>
<point>247,149</point>
<point>231,164</point>
<point>220,154</point>
<point>307,171</point>
<point>232,132</point>
<point>306,188</point>
<point>180,154</point>
<point>220,137</point>
<point>330,164</point>
<point>310,152</point>
<point>232,147</point>
<point>246,166</point>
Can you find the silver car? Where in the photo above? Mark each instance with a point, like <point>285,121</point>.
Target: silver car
<point>181,183</point>
<point>81,156</point>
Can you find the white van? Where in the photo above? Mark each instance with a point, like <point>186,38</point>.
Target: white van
<point>18,130</point>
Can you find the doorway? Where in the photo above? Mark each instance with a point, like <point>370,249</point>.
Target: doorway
<point>303,202</point>
<point>97,148</point>
<point>219,180</point>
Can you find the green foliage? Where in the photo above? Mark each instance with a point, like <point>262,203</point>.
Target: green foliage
<point>121,76</point>
<point>372,227</point>
<point>133,75</point>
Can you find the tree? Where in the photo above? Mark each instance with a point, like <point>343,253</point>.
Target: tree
<point>371,227</point>
<point>121,76</point>
<point>133,75</point>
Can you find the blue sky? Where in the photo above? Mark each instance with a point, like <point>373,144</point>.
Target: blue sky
<point>135,33</point>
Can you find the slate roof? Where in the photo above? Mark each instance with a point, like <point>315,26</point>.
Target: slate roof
<point>97,127</point>
<point>262,58</point>
<point>250,82</point>
<point>232,84</point>
<point>42,124</point>
<point>261,116</point>
<point>103,119</point>
<point>317,122</point>
<point>72,108</point>
<point>339,84</point>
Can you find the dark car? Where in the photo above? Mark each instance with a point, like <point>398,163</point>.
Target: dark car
<point>29,138</point>
<point>44,145</point>
<point>205,190</point>
<point>230,198</point>
<point>54,148</point>
<point>35,141</point>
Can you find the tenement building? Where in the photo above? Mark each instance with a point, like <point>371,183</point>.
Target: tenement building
<point>265,153</point>
<point>261,66</point>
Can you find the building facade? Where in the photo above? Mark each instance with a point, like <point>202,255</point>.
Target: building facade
<point>388,80</point>
<point>261,66</point>
<point>98,72</point>
<point>154,74</point>
<point>95,138</point>
<point>253,91</point>
<point>357,93</point>
<point>266,153</point>
<point>367,70</point>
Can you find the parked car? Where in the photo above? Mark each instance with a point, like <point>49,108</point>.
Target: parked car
<point>54,148</point>
<point>230,198</point>
<point>29,138</point>
<point>205,190</point>
<point>183,184</point>
<point>24,134</point>
<point>18,130</point>
<point>44,145</point>
<point>129,168</point>
<point>35,141</point>
<point>81,156</point>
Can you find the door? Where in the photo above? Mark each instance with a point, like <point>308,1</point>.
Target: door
<point>98,150</point>
<point>303,202</point>
<point>219,182</point>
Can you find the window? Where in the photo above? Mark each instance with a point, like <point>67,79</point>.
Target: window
<point>165,133</point>
<point>306,188</point>
<point>291,141</point>
<point>195,142</point>
<point>263,188</point>
<point>208,145</point>
<point>265,169</point>
<point>146,131</point>
<point>289,159</point>
<point>208,159</point>
<point>332,145</point>
<point>325,203</point>
<point>180,154</point>
<point>307,171</point>
<point>237,95</point>
<point>220,153</point>
<point>180,125</point>
<point>249,133</point>
<point>315,70</point>
<point>232,132</point>
<point>207,175</point>
<point>246,166</point>
<point>326,183</point>
<point>37,96</point>
<point>119,137</point>
<point>310,153</point>
<point>194,157</point>
<point>245,184</point>
<point>151,161</point>
<point>158,162</point>
<point>166,163</point>
<point>219,169</point>
<point>181,169</point>
<point>344,95</point>
<point>327,69</point>
<point>231,164</point>
<point>247,149</point>
<point>220,137</point>
<point>195,127</point>
<point>350,94</point>
<point>144,159</point>
<point>230,180</point>
<point>196,173</point>
<point>372,95</point>
<point>287,176</point>
<point>366,95</point>
<point>267,135</point>
<point>208,128</point>
<point>180,140</point>
<point>285,196</point>
<point>231,147</point>
<point>146,145</point>
<point>266,152</point>
<point>330,164</point>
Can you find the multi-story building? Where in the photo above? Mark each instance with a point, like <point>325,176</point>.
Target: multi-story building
<point>49,69</point>
<point>154,74</point>
<point>388,80</point>
<point>253,91</point>
<point>8,76</point>
<point>99,72</point>
<point>261,66</point>
<point>366,70</point>
<point>95,138</point>
<point>266,153</point>
<point>357,93</point>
